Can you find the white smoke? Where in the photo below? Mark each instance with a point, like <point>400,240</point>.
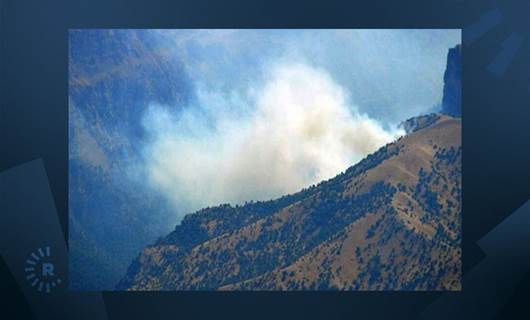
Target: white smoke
<point>301,130</point>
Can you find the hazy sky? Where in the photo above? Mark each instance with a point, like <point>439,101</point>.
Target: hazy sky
<point>389,74</point>
<point>273,111</point>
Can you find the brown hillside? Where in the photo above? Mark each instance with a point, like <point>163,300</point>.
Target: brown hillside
<point>391,222</point>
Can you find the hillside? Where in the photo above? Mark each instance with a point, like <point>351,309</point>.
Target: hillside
<point>390,222</point>
<point>113,75</point>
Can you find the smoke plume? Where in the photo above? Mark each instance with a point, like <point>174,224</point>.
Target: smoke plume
<point>301,129</point>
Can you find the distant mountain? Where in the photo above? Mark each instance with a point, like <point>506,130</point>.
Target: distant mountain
<point>390,222</point>
<point>452,94</point>
<point>113,76</point>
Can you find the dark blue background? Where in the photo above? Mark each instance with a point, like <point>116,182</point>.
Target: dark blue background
<point>496,116</point>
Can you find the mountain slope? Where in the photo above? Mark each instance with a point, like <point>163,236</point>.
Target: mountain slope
<point>391,222</point>
<point>113,76</point>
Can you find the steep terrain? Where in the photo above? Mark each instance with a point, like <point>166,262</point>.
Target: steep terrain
<point>113,76</point>
<point>391,222</point>
<point>452,94</point>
